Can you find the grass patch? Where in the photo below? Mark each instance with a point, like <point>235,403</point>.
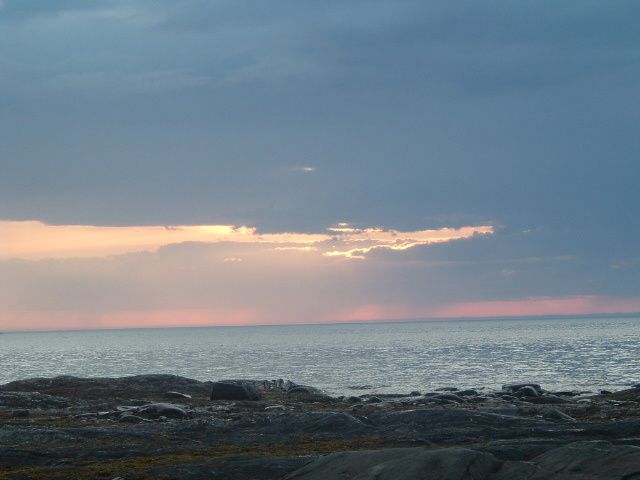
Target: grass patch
<point>146,467</point>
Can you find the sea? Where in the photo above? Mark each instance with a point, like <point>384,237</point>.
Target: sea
<point>585,354</point>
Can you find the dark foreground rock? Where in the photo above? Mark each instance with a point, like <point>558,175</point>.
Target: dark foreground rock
<point>582,460</point>
<point>73,428</point>
<point>401,464</point>
<point>233,391</point>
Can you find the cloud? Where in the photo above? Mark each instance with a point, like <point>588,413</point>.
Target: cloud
<point>114,83</point>
<point>36,240</point>
<point>573,305</point>
<point>535,306</point>
<point>28,9</point>
<point>370,239</point>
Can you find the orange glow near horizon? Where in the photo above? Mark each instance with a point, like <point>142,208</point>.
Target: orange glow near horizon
<point>35,240</point>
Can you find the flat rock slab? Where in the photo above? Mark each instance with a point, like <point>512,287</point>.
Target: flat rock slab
<point>593,460</point>
<point>76,387</point>
<point>401,464</point>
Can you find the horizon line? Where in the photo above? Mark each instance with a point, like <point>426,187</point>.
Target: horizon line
<point>348,322</point>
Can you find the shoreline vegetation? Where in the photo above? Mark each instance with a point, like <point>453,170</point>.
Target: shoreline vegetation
<point>171,427</point>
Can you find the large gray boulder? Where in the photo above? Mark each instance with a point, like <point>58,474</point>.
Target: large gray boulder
<point>234,391</point>
<point>401,464</point>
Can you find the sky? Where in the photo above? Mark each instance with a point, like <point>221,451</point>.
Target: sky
<point>199,162</point>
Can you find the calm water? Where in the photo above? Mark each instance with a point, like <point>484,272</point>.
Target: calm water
<point>584,353</point>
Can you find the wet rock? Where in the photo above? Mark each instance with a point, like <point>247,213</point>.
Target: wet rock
<point>20,414</point>
<point>374,399</point>
<point>354,399</point>
<point>234,391</point>
<point>447,389</point>
<point>415,393</point>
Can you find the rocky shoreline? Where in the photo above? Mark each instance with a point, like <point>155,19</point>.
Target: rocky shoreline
<point>170,427</point>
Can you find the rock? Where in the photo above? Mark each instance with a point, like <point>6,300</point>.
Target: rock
<point>157,410</point>
<point>446,389</point>
<point>451,397</point>
<point>605,392</point>
<point>354,399</point>
<point>126,408</point>
<point>555,414</point>
<point>233,391</point>
<point>374,399</point>
<point>32,400</point>
<point>433,418</point>
<point>275,407</point>
<point>301,389</point>
<point>467,393</point>
<point>549,398</point>
<point>568,393</point>
<point>415,393</point>
<point>122,387</point>
<point>527,391</point>
<point>20,413</point>
<point>514,387</point>
<point>177,396</point>
<point>129,418</point>
<point>337,422</point>
<point>304,393</point>
<point>593,460</point>
<point>401,464</point>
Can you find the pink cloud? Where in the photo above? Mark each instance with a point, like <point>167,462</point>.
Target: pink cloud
<point>72,320</point>
<point>574,305</point>
<point>536,306</point>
